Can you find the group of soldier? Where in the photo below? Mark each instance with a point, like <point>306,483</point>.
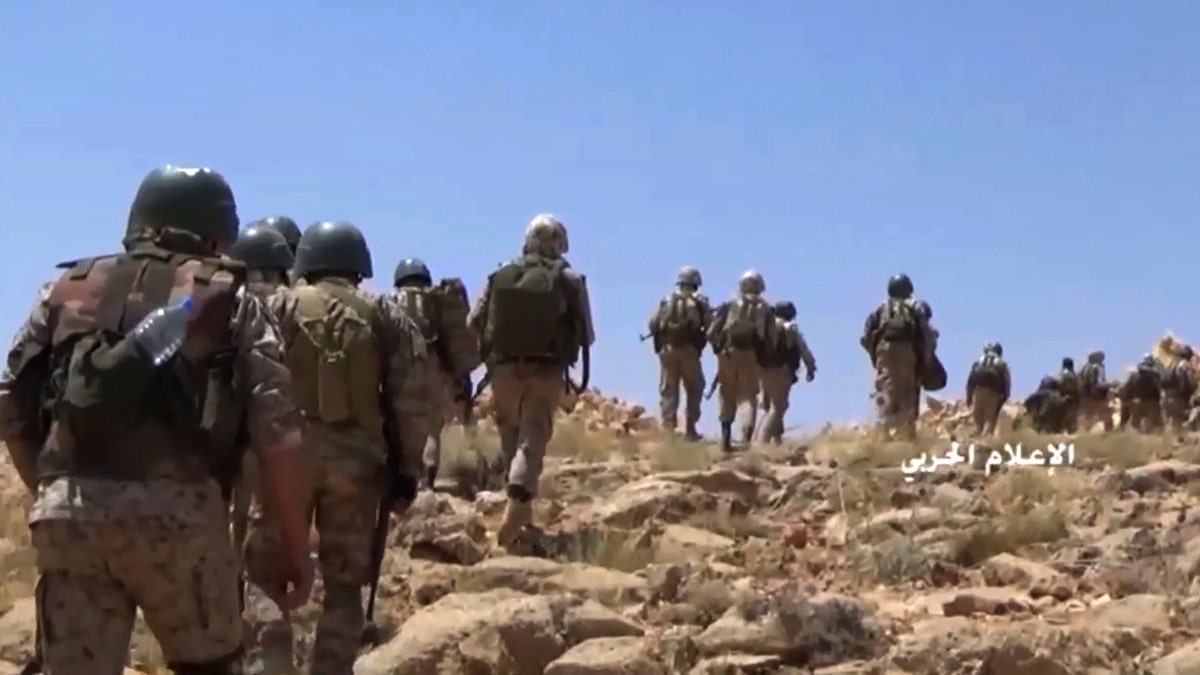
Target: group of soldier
<point>187,487</point>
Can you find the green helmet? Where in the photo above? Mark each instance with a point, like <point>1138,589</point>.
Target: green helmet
<point>785,310</point>
<point>689,276</point>
<point>333,248</point>
<point>751,282</point>
<point>412,268</point>
<point>198,202</point>
<point>262,248</point>
<point>900,287</point>
<point>285,226</point>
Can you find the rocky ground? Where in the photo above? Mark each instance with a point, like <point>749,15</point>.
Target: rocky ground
<point>660,556</point>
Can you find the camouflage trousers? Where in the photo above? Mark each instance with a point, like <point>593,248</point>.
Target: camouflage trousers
<point>738,375</point>
<point>1174,410</point>
<point>441,414</point>
<point>96,575</point>
<point>243,495</point>
<point>777,384</point>
<point>525,396</point>
<point>985,410</point>
<point>1093,410</point>
<point>680,368</point>
<point>1144,415</point>
<point>897,390</point>
<point>347,486</point>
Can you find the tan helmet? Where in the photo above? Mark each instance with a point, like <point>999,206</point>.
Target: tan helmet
<point>752,282</point>
<point>546,235</point>
<point>689,276</point>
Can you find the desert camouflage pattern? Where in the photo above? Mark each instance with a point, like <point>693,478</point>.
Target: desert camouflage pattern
<point>739,373</point>
<point>897,367</point>
<point>778,380</point>
<point>347,487</point>
<point>680,365</point>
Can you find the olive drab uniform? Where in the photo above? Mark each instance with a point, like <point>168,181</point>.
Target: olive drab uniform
<point>440,312</point>
<point>1071,391</point>
<point>679,326</point>
<point>989,386</point>
<point>894,336</point>
<point>742,334</point>
<point>1093,394</point>
<point>534,319</point>
<point>137,461</point>
<point>1141,397</point>
<point>1178,387</point>
<point>1046,407</point>
<point>779,372</point>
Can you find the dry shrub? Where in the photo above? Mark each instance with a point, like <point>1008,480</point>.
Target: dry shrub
<point>572,439</point>
<point>678,454</point>
<point>895,561</point>
<point>1028,507</point>
<point>711,598</point>
<point>605,547</point>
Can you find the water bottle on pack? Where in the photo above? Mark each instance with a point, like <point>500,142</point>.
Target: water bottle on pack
<point>160,335</point>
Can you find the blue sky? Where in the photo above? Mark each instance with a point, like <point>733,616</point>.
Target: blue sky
<point>1032,165</point>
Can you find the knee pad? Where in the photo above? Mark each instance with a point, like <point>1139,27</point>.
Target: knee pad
<point>230,664</point>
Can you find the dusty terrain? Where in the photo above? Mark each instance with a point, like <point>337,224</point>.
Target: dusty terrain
<point>661,556</point>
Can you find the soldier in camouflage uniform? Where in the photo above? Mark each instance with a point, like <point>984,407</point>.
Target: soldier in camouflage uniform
<point>130,514</point>
<point>268,258</point>
<point>1071,390</point>
<point>897,338</point>
<point>679,326</point>
<point>284,226</point>
<point>1093,394</point>
<point>989,386</point>
<point>1178,387</point>
<point>535,321</point>
<point>742,334</point>
<point>1141,397</point>
<point>449,377</point>
<point>344,348</point>
<point>779,373</point>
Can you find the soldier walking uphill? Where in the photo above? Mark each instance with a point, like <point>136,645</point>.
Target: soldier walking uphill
<point>679,327</point>
<point>284,226</point>
<point>535,319</point>
<point>1069,387</point>
<point>1093,394</point>
<point>440,312</point>
<point>780,368</point>
<point>130,461</point>
<point>742,334</point>
<point>896,337</point>
<point>1178,387</point>
<point>267,258</point>
<point>989,386</point>
<point>1141,397</point>
<point>358,377</point>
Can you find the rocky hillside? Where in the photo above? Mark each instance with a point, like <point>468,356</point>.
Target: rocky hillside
<point>660,556</point>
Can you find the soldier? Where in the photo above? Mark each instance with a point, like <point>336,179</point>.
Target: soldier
<point>450,374</point>
<point>1070,389</point>
<point>535,321</point>
<point>679,327</point>
<point>1046,407</point>
<point>896,337</point>
<point>1178,387</point>
<point>1141,397</point>
<point>285,226</point>
<point>267,258</point>
<point>989,386</point>
<point>780,371</point>
<point>131,461</point>
<point>358,376</point>
<point>1093,394</point>
<point>742,334</point>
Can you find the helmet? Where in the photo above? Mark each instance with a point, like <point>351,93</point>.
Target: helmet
<point>546,235</point>
<point>924,308</point>
<point>412,268</point>
<point>785,310</point>
<point>196,201</point>
<point>1047,383</point>
<point>689,276</point>
<point>1096,357</point>
<point>1185,352</point>
<point>261,247</point>
<point>334,248</point>
<point>900,287</point>
<point>285,226</point>
<point>751,282</point>
<point>1148,360</point>
<point>998,349</point>
<point>1068,363</point>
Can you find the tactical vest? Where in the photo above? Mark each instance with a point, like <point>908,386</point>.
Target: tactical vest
<point>418,304</point>
<point>785,350</point>
<point>334,353</point>
<point>989,372</point>
<point>746,326</point>
<point>113,415</point>
<point>680,320</point>
<point>531,313</point>
<point>898,321</point>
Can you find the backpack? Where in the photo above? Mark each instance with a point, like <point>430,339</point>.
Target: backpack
<point>116,416</point>
<point>1177,378</point>
<point>746,326</point>
<point>334,356</point>
<point>530,313</point>
<point>458,345</point>
<point>990,371</point>
<point>680,320</point>
<point>899,321</point>
<point>1089,379</point>
<point>419,305</point>
<point>1146,382</point>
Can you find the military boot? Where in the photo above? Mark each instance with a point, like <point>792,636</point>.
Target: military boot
<point>691,434</point>
<point>518,514</point>
<point>430,476</point>
<point>727,436</point>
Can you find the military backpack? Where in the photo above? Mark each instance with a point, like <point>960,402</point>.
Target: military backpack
<point>746,326</point>
<point>680,320</point>
<point>899,321</point>
<point>458,345</point>
<point>989,371</point>
<point>531,313</point>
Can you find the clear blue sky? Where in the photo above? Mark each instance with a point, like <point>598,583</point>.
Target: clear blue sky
<point>1032,165</point>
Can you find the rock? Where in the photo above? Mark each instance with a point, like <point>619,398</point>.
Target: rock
<point>631,505</point>
<point>716,481</point>
<point>592,620</point>
<point>445,529</point>
<point>1182,661</point>
<point>17,629</point>
<point>993,601</point>
<point>1020,660</point>
<point>1142,611</point>
<point>607,656</point>
<point>1159,474</point>
<point>680,543</point>
<point>535,575</point>
<point>741,664</point>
